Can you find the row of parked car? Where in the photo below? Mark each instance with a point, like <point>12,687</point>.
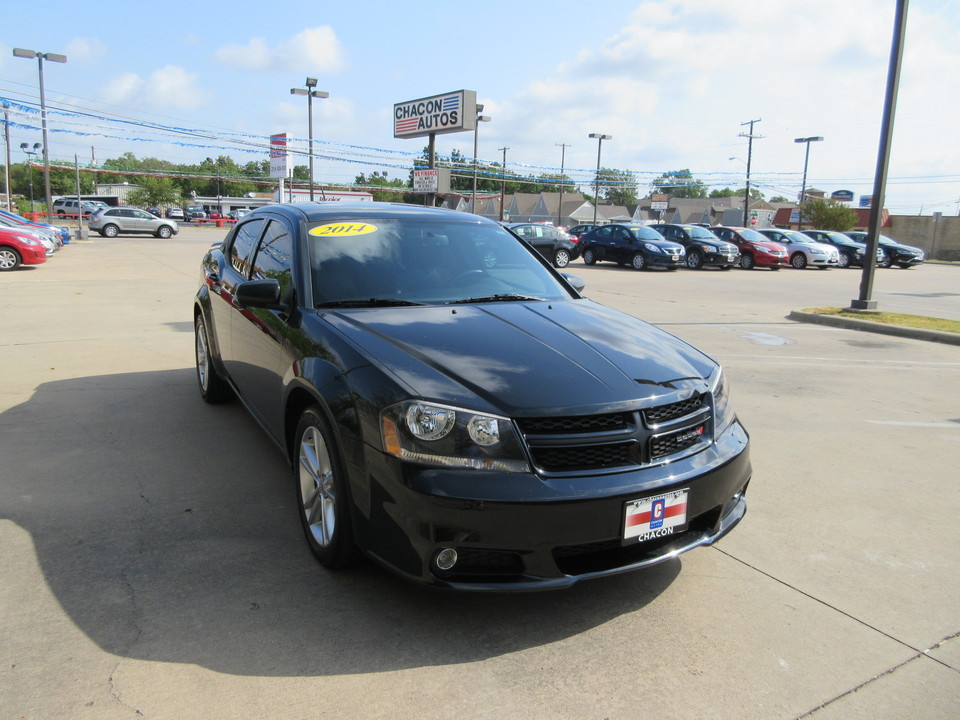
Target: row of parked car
<point>695,246</point>
<point>23,242</point>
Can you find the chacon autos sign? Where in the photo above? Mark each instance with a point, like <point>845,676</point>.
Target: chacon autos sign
<point>450,112</point>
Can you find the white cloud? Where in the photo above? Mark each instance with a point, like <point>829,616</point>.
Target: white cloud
<point>84,50</point>
<point>168,87</point>
<point>314,50</point>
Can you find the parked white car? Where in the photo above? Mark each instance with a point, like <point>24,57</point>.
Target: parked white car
<point>803,250</point>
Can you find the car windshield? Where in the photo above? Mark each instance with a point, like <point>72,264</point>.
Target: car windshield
<point>797,237</point>
<point>699,233</point>
<point>389,261</point>
<point>753,236</point>
<point>645,233</point>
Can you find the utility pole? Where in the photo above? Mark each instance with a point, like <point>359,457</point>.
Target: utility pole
<point>749,136</point>
<point>503,180</point>
<point>563,151</point>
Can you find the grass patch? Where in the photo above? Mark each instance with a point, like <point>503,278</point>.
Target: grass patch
<point>886,318</point>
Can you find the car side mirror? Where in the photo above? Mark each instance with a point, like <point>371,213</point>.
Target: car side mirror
<point>259,294</point>
<point>575,281</point>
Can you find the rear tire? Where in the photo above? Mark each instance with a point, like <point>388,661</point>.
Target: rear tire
<point>589,257</point>
<point>561,258</point>
<point>213,388</point>
<point>110,231</point>
<point>321,490</point>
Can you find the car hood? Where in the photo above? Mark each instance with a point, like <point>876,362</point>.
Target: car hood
<point>525,358</point>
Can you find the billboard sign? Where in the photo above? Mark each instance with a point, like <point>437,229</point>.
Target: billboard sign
<point>450,112</point>
<point>866,201</point>
<point>842,195</point>
<point>436,180</point>
<point>278,156</point>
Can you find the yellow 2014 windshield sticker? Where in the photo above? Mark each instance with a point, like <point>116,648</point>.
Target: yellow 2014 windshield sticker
<point>343,229</point>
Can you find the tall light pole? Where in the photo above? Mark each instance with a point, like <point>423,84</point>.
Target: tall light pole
<point>52,57</point>
<point>30,153</point>
<point>803,186</point>
<point>596,185</point>
<point>480,119</point>
<point>503,180</point>
<point>311,94</point>
<point>749,136</point>
<point>563,151</point>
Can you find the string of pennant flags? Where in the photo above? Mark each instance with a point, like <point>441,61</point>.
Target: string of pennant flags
<point>25,116</point>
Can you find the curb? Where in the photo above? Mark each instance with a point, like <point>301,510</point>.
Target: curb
<point>875,327</point>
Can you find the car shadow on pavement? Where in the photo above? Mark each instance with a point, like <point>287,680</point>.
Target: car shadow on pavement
<point>166,530</point>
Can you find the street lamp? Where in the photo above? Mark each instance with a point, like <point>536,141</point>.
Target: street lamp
<point>480,119</point>
<point>596,191</point>
<point>30,153</point>
<point>52,57</point>
<point>803,187</point>
<point>311,94</point>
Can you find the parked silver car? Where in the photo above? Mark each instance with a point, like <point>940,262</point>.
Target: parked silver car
<point>803,250</point>
<point>114,221</point>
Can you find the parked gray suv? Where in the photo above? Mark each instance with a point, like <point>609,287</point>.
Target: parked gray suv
<point>111,222</point>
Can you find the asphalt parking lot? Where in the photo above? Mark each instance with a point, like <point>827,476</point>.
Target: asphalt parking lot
<point>153,565</point>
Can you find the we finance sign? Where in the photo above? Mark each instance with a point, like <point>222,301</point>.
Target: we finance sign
<point>450,112</point>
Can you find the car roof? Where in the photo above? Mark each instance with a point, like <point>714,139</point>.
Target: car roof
<point>318,212</point>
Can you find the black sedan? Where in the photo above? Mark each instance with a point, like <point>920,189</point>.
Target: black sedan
<point>893,251</point>
<point>550,241</point>
<point>636,245</point>
<point>702,246</point>
<point>851,251</point>
<point>466,423</point>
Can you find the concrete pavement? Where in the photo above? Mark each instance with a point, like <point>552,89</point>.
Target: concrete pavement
<point>154,567</point>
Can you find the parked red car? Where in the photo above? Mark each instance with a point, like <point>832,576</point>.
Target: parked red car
<point>18,249</point>
<point>756,250</point>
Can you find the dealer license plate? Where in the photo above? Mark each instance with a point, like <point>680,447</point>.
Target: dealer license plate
<point>655,517</point>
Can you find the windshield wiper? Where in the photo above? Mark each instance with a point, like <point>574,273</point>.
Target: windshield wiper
<point>368,302</point>
<point>502,297</point>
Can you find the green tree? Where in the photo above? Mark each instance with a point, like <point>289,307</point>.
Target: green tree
<point>380,179</point>
<point>617,187</point>
<point>730,192</point>
<point>778,199</point>
<point>828,215</point>
<point>155,191</point>
<point>680,184</point>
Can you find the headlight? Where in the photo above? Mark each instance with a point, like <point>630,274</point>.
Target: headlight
<point>29,240</point>
<point>818,251</point>
<point>723,413</point>
<point>708,248</point>
<point>651,247</point>
<point>445,436</point>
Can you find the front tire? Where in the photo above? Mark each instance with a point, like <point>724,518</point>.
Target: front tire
<point>321,492</point>
<point>844,261</point>
<point>213,388</point>
<point>695,260</point>
<point>561,258</point>
<point>638,262</point>
<point>799,261</point>
<point>9,259</point>
<point>164,232</point>
<point>747,262</point>
<point>886,261</point>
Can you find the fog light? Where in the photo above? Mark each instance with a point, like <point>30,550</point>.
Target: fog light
<point>446,559</point>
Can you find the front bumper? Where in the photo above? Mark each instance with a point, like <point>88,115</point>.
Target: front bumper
<point>525,532</point>
<point>720,260</point>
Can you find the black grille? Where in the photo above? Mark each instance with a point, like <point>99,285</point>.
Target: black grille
<point>665,413</point>
<point>558,459</point>
<point>613,442</point>
<point>663,445</point>
<point>576,424</point>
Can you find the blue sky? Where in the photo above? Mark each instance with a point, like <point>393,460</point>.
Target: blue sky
<point>671,80</point>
